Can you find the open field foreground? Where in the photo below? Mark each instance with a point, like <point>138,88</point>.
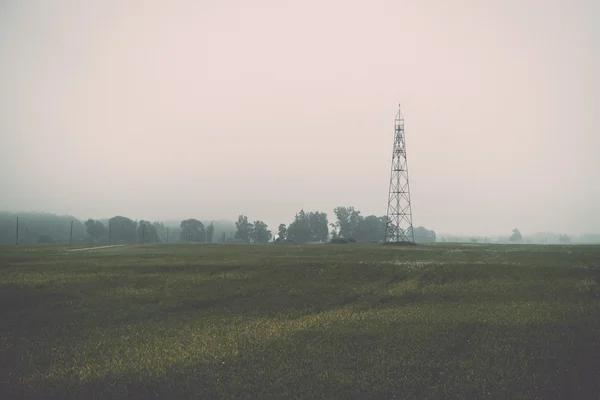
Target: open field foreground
<point>312,321</point>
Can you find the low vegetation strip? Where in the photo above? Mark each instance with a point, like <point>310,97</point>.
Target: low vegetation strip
<point>300,321</point>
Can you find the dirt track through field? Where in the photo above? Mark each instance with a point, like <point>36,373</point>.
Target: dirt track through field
<point>99,247</point>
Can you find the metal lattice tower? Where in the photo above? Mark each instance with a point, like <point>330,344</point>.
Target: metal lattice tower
<point>399,215</point>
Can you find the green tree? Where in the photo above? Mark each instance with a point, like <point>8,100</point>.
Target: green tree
<point>260,232</point>
<point>423,235</point>
<point>516,236</point>
<point>564,239</point>
<point>210,231</point>
<point>122,230</point>
<point>34,224</point>
<point>95,229</point>
<point>370,228</point>
<point>334,230</point>
<point>243,229</point>
<point>146,232</point>
<point>319,226</point>
<point>383,221</point>
<point>348,219</point>
<point>299,230</point>
<point>282,232</point>
<point>161,231</point>
<point>201,233</point>
<point>192,230</point>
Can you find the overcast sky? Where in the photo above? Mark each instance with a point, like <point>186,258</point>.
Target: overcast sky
<point>209,109</point>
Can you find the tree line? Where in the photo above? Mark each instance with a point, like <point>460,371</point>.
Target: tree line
<point>349,223</point>
<point>311,226</point>
<point>314,226</point>
<point>39,228</point>
<point>123,230</point>
<point>47,228</point>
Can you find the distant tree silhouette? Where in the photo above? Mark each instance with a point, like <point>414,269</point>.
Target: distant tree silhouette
<point>516,236</point>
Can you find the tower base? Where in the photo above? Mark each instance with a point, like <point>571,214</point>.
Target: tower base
<point>401,243</point>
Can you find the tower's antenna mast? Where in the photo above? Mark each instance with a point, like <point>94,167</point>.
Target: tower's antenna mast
<point>399,215</point>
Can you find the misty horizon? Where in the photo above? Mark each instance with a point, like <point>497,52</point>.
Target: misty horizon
<point>176,110</point>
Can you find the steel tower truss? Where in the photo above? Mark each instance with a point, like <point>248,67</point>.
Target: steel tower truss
<point>399,215</point>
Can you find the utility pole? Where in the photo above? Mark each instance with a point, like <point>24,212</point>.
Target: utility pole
<point>71,234</point>
<point>167,235</point>
<point>109,231</point>
<point>143,233</point>
<point>17,240</point>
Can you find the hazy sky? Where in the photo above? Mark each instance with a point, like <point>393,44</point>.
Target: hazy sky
<point>208,109</point>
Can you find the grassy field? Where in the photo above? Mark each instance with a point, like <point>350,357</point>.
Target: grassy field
<point>314,321</point>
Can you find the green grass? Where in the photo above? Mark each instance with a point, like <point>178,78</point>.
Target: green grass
<point>315,321</point>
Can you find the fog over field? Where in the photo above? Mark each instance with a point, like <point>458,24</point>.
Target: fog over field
<point>169,110</point>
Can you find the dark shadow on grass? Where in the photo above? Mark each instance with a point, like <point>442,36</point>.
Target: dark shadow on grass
<point>194,306</point>
<point>443,274</point>
<point>221,302</point>
<point>15,299</point>
<point>200,269</point>
<point>348,361</point>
